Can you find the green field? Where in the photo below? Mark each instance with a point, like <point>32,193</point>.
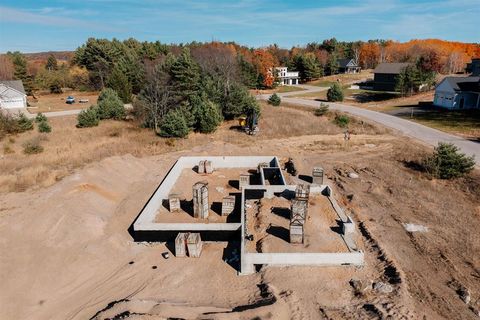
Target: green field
<point>284,89</point>
<point>465,122</point>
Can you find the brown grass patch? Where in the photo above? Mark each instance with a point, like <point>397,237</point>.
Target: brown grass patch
<point>49,102</point>
<point>68,147</point>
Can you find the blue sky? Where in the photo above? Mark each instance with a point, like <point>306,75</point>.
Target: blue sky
<point>38,25</point>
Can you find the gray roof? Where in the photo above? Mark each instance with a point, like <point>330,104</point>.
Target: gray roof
<point>464,83</point>
<point>342,63</point>
<point>391,68</point>
<point>14,84</point>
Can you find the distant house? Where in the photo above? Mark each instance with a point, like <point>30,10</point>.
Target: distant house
<point>12,95</point>
<point>474,67</point>
<point>458,93</point>
<point>348,66</point>
<point>385,75</point>
<point>285,77</point>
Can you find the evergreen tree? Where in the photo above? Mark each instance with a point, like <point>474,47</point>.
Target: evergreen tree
<point>174,124</point>
<point>335,93</point>
<point>274,100</point>
<point>134,70</point>
<point>55,86</point>
<point>311,68</point>
<point>110,106</point>
<point>52,64</point>
<point>118,81</point>
<point>239,101</point>
<point>185,74</point>
<point>409,80</point>
<point>207,115</point>
<point>88,118</point>
<point>249,74</point>
<point>447,162</point>
<point>332,64</point>
<point>20,73</point>
<point>44,127</point>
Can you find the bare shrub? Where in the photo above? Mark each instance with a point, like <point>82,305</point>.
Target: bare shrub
<point>32,146</point>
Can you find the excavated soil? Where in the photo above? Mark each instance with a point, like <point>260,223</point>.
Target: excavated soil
<point>66,250</point>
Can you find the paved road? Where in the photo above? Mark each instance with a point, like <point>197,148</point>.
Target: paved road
<point>307,88</point>
<point>127,106</point>
<point>408,128</point>
<point>55,113</point>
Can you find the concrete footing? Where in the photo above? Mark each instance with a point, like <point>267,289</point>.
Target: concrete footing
<point>272,184</point>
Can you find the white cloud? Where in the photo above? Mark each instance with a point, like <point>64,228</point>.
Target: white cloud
<point>44,18</point>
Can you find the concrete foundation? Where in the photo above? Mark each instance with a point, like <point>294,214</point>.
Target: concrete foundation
<point>205,167</point>
<point>201,167</point>
<point>180,245</point>
<point>243,181</point>
<point>299,210</point>
<point>200,200</point>
<point>296,231</point>
<point>194,245</point>
<point>228,205</point>
<point>272,184</point>
<point>317,175</point>
<point>174,202</point>
<point>302,191</point>
<point>208,167</point>
<point>261,166</point>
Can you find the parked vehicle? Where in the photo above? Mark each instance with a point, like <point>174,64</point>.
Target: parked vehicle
<point>70,100</point>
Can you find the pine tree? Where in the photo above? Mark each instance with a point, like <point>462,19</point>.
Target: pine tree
<point>110,106</point>
<point>207,115</point>
<point>20,65</point>
<point>118,81</point>
<point>409,80</point>
<point>332,64</point>
<point>311,68</point>
<point>274,100</point>
<point>239,101</point>
<point>185,75</point>
<point>174,125</point>
<point>335,93</point>
<point>51,63</point>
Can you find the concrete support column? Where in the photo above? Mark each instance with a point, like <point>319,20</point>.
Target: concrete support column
<point>246,267</point>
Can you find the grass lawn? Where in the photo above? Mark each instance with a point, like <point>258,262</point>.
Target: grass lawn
<point>357,96</point>
<point>465,123</point>
<point>283,89</point>
<point>343,79</point>
<point>322,83</point>
<point>319,95</point>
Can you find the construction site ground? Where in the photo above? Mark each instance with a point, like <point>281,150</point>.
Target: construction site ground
<point>269,222</point>
<point>67,251</point>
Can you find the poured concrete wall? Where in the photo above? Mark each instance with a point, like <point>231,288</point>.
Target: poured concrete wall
<point>249,260</point>
<point>145,220</point>
<point>170,235</point>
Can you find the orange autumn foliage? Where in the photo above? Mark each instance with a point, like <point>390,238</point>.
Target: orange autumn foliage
<point>264,62</point>
<point>452,55</point>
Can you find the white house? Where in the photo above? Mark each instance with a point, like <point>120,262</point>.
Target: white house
<point>12,95</point>
<point>285,77</point>
<point>458,93</point>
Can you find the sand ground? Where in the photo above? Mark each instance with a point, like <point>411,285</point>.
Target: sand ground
<point>269,223</point>
<point>66,251</point>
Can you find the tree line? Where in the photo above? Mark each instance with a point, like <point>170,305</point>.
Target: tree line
<point>179,88</point>
<point>101,63</point>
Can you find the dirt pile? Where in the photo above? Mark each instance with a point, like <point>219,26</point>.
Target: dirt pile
<point>67,252</point>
